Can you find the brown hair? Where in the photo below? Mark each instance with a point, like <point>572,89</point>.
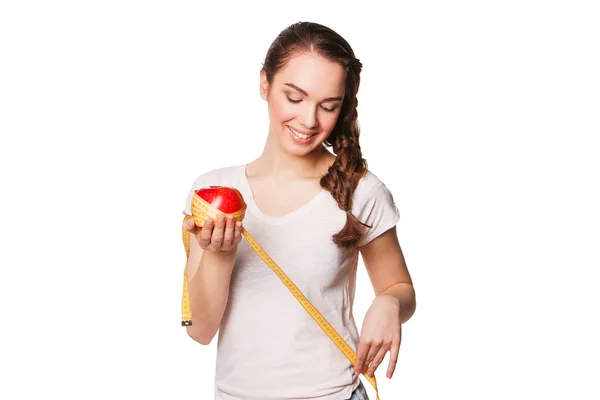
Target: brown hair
<point>349,167</point>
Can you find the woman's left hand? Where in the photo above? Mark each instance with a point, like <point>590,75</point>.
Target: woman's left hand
<point>381,332</point>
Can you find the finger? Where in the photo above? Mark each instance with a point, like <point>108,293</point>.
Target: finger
<point>377,360</point>
<point>361,355</point>
<point>393,357</point>
<point>229,232</point>
<point>205,233</point>
<point>189,225</point>
<point>217,236</point>
<point>373,350</point>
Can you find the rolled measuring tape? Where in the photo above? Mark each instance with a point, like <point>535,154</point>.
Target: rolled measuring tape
<point>201,211</point>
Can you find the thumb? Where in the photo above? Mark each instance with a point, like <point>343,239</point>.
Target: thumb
<point>189,225</point>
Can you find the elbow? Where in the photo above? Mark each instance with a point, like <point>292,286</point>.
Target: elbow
<point>411,309</point>
<point>203,340</point>
<point>201,335</point>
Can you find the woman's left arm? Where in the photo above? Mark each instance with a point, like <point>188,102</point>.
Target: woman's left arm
<point>393,305</point>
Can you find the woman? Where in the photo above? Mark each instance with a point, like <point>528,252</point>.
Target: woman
<point>312,212</point>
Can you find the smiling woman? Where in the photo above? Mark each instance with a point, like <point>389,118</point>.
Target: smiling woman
<point>313,212</point>
<point>307,118</point>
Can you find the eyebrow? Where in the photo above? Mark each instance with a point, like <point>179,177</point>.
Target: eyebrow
<point>306,94</point>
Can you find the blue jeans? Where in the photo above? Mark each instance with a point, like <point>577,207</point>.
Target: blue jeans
<point>359,393</point>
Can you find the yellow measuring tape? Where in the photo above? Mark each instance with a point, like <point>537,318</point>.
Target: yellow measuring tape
<point>202,210</point>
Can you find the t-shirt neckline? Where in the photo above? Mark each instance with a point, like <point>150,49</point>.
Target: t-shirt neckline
<point>253,208</point>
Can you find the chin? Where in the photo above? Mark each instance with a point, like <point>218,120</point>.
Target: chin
<point>291,149</point>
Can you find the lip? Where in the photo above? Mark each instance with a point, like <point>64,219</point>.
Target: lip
<point>301,131</point>
<point>298,140</point>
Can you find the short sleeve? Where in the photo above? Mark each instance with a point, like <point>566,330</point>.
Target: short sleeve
<point>378,210</point>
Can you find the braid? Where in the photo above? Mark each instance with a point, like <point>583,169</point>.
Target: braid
<point>343,177</point>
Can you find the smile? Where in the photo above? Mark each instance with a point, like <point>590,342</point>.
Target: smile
<point>299,135</point>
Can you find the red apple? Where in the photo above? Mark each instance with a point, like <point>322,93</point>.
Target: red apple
<point>210,201</point>
<point>224,198</point>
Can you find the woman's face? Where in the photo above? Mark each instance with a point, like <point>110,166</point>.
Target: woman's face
<point>304,101</point>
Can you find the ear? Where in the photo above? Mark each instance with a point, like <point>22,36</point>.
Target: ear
<point>264,85</point>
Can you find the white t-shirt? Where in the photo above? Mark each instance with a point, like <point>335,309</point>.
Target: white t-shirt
<point>269,348</point>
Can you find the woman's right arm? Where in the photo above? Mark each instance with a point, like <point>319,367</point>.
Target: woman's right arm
<point>209,267</point>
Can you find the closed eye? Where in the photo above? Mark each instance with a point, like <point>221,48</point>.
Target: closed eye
<point>323,107</point>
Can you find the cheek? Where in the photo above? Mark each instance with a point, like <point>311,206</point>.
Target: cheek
<point>328,121</point>
<point>281,110</point>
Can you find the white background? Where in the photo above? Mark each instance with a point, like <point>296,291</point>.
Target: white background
<point>479,116</point>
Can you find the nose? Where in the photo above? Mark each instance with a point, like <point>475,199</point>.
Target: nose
<point>309,117</point>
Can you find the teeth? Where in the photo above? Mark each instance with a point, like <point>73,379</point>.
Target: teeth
<point>299,135</point>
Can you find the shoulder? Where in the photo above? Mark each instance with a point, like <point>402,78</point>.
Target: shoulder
<point>368,186</point>
<point>374,205</point>
<point>371,193</point>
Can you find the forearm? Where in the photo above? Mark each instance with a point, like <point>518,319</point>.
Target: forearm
<point>405,294</point>
<point>209,292</point>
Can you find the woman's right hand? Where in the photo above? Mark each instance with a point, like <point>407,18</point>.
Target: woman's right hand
<point>224,235</point>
